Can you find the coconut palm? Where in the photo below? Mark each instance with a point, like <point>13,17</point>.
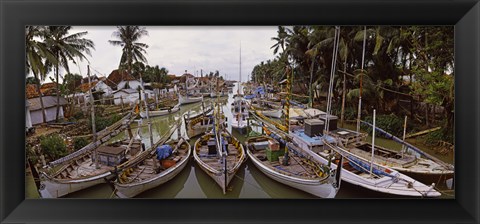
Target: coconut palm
<point>37,54</point>
<point>66,48</point>
<point>132,49</point>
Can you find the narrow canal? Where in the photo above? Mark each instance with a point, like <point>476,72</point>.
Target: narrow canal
<point>249,182</point>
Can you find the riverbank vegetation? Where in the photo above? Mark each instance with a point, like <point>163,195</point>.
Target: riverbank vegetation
<point>407,71</point>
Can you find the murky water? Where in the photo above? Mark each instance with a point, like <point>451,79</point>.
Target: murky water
<point>192,182</point>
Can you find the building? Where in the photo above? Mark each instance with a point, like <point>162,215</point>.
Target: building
<point>50,104</point>
<point>122,80</point>
<point>129,96</point>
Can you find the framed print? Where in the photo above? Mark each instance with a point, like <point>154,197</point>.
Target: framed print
<point>226,111</point>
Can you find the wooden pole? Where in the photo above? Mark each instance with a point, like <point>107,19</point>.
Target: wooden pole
<point>342,115</point>
<point>404,134</point>
<point>94,130</point>
<point>373,143</point>
<point>361,77</point>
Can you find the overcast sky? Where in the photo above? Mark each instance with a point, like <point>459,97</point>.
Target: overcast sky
<point>180,48</point>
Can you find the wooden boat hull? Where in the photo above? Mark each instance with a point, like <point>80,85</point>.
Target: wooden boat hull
<point>218,175</point>
<point>55,188</point>
<point>187,100</point>
<point>157,113</point>
<point>133,189</point>
<point>385,185</point>
<point>323,189</point>
<point>272,113</point>
<point>194,132</point>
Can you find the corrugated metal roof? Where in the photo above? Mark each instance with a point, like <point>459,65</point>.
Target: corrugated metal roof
<point>48,101</point>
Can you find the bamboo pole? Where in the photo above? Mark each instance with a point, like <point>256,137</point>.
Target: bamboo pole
<point>342,115</point>
<point>361,78</point>
<point>373,143</point>
<point>94,130</point>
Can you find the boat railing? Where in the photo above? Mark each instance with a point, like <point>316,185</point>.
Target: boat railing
<point>103,136</point>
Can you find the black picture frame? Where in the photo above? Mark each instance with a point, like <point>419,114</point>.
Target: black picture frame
<point>465,15</point>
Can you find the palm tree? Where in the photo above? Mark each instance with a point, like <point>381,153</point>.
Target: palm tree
<point>65,47</point>
<point>37,54</point>
<point>132,49</point>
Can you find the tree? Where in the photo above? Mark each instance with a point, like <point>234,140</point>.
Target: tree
<point>66,48</point>
<point>132,49</point>
<point>37,53</point>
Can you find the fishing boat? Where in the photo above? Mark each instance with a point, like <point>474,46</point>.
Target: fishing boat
<point>239,106</point>
<point>409,160</point>
<point>186,99</point>
<point>93,164</point>
<point>198,124</point>
<point>81,172</point>
<point>302,171</point>
<point>185,96</point>
<point>219,154</point>
<point>153,168</point>
<point>364,173</point>
<point>161,111</point>
<point>266,108</point>
<point>239,114</point>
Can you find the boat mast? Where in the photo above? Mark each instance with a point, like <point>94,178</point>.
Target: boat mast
<point>373,143</point>
<point>147,111</point>
<point>336,42</point>
<point>238,88</point>
<point>361,77</point>
<point>94,130</point>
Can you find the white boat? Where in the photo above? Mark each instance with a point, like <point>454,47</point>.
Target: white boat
<point>382,179</point>
<point>269,111</point>
<point>81,172</point>
<point>147,172</point>
<point>188,99</point>
<point>220,155</point>
<point>313,177</point>
<point>276,113</point>
<point>161,111</point>
<point>386,179</point>
<point>76,171</point>
<point>239,114</point>
<point>423,168</point>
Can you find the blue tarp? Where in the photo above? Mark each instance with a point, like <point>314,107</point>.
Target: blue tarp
<point>248,97</point>
<point>164,151</point>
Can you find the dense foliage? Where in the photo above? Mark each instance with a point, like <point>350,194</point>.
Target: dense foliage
<point>408,70</point>
<point>54,146</point>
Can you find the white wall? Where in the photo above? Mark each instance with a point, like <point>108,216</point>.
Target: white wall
<point>134,84</point>
<point>37,117</point>
<point>28,119</point>
<point>101,86</point>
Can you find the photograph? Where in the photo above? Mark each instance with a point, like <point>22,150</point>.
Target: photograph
<point>240,112</point>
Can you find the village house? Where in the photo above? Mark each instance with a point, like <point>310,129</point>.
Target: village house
<point>100,91</point>
<point>34,108</point>
<point>122,80</point>
<point>129,96</point>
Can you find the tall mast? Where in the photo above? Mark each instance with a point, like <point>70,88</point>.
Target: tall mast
<point>147,111</point>
<point>240,78</point>
<point>94,129</point>
<point>361,77</point>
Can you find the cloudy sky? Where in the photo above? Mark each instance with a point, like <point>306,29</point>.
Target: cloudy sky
<point>180,48</point>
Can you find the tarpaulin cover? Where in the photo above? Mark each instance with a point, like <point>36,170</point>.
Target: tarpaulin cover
<point>164,151</point>
<point>249,97</point>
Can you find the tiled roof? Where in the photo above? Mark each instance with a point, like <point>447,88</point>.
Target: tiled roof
<point>46,89</point>
<point>86,86</point>
<point>117,76</point>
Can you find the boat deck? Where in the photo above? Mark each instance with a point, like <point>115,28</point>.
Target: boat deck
<point>147,169</point>
<point>216,162</point>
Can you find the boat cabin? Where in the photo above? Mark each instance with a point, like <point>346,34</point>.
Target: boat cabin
<point>111,156</point>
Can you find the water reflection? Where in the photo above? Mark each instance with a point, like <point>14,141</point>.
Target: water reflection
<point>192,182</point>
